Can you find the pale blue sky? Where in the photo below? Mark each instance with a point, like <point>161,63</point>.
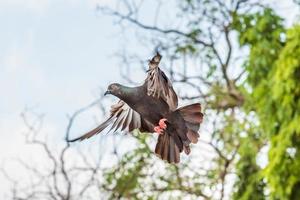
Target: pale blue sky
<point>55,55</point>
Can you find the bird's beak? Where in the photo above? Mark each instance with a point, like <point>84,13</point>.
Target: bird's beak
<point>107,92</point>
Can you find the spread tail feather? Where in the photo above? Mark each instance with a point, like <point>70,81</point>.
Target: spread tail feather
<point>166,149</point>
<point>193,117</point>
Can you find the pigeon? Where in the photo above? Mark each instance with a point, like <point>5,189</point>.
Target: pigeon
<point>153,108</point>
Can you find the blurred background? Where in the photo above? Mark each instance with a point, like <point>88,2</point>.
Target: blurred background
<point>238,58</point>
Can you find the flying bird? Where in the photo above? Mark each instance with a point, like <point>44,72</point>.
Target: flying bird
<point>153,107</point>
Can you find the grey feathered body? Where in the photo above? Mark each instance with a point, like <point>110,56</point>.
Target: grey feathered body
<point>154,110</point>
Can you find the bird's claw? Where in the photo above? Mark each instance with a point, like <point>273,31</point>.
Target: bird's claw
<point>162,126</point>
<point>158,130</point>
<point>162,123</point>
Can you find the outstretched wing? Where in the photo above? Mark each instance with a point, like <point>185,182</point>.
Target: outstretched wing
<point>121,117</point>
<point>158,84</point>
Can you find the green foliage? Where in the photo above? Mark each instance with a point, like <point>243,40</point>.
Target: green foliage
<point>274,77</point>
<point>284,166</point>
<point>262,31</point>
<point>250,184</point>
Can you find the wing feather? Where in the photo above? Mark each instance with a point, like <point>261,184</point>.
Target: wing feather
<point>121,117</point>
<point>158,84</point>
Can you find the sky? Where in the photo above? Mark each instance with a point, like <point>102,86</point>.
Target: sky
<point>54,57</point>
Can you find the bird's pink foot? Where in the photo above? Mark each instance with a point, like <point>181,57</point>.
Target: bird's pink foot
<point>162,126</point>
<point>158,130</point>
<point>162,123</point>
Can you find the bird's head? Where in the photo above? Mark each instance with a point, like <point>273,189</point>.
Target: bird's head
<point>114,89</point>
